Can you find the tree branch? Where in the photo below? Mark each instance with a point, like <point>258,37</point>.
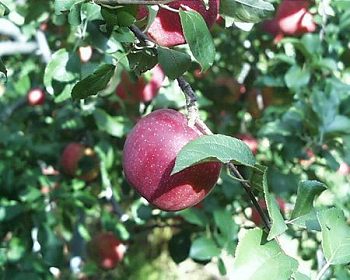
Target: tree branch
<point>194,118</point>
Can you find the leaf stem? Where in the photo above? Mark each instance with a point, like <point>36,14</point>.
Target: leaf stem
<point>194,119</point>
<point>322,271</point>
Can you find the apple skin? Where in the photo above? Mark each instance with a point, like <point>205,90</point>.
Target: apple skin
<point>36,97</point>
<point>106,250</point>
<point>140,90</point>
<point>72,154</point>
<point>166,28</point>
<point>149,156</point>
<point>292,18</point>
<point>255,214</point>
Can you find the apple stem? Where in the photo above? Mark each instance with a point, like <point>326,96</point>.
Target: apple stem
<point>195,120</point>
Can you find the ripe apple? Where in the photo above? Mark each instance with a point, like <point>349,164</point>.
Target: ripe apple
<point>251,142</point>
<point>166,29</point>
<point>36,96</point>
<point>140,90</point>
<point>80,161</point>
<point>149,156</point>
<point>106,250</point>
<point>255,214</point>
<point>292,18</point>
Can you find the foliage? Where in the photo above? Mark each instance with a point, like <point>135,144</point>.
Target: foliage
<point>292,96</point>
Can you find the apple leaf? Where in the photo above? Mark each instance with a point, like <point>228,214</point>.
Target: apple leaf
<point>246,10</point>
<point>308,221</point>
<point>179,246</point>
<point>299,276</point>
<point>93,83</point>
<point>307,191</point>
<point>224,221</point>
<point>194,216</point>
<point>259,259</point>
<point>4,10</point>
<point>203,249</point>
<point>214,148</point>
<point>278,226</point>
<point>198,38</point>
<point>174,63</point>
<point>115,126</point>
<point>335,236</point>
<point>74,14</point>
<point>64,5</point>
<point>3,72</point>
<point>57,69</point>
<point>297,77</point>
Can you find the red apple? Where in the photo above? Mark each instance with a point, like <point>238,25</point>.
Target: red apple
<point>255,214</point>
<point>149,156</point>
<point>36,96</point>
<point>292,18</point>
<point>85,53</point>
<point>106,250</point>
<point>344,169</point>
<point>166,28</point>
<point>140,90</point>
<point>80,161</point>
<point>251,142</point>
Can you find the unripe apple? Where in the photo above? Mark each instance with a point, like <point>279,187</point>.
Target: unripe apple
<point>166,28</point>
<point>106,250</point>
<point>140,90</point>
<point>80,161</point>
<point>149,156</point>
<point>251,142</point>
<point>36,96</point>
<point>255,214</point>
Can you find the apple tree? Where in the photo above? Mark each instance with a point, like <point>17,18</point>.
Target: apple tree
<point>156,139</point>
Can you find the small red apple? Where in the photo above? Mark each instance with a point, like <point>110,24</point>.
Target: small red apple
<point>166,28</point>
<point>106,250</point>
<point>255,214</point>
<point>85,53</point>
<point>344,169</point>
<point>292,18</point>
<point>80,161</point>
<point>36,97</point>
<point>251,142</point>
<point>140,90</point>
<point>149,156</point>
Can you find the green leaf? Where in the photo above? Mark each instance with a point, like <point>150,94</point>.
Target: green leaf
<point>58,70</point>
<point>64,5</point>
<point>335,236</point>
<point>179,246</point>
<point>278,226</point>
<point>141,62</point>
<point>307,192</point>
<point>174,63</point>
<point>194,216</point>
<point>198,38</point>
<point>299,276</point>
<point>11,211</point>
<point>308,221</point>
<point>203,249</point>
<point>214,147</point>
<point>51,246</point>
<point>297,77</point>
<point>3,72</point>
<point>246,10</point>
<point>224,221</point>
<point>4,10</point>
<point>115,126</point>
<point>74,14</point>
<point>340,124</point>
<point>257,259</point>
<point>93,83</point>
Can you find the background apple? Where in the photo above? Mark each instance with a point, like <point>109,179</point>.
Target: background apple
<point>166,28</point>
<point>140,90</point>
<point>255,214</point>
<point>106,250</point>
<point>149,157</point>
<point>77,160</point>
<point>85,53</point>
<point>251,141</point>
<point>36,96</point>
